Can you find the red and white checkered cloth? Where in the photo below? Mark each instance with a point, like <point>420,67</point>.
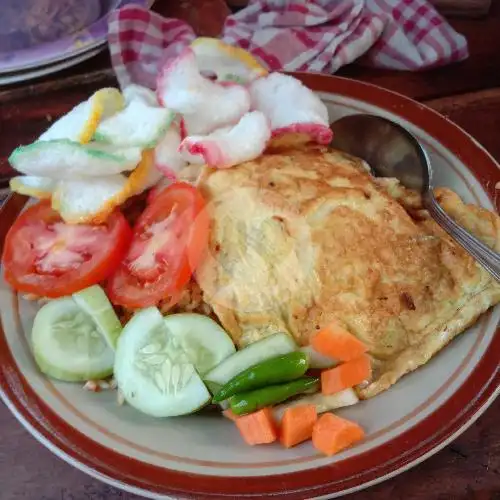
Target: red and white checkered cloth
<point>294,35</point>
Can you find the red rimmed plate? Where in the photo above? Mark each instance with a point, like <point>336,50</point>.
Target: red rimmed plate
<point>201,456</point>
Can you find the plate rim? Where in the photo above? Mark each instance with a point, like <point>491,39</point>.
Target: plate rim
<point>40,71</point>
<point>426,437</point>
<point>96,41</point>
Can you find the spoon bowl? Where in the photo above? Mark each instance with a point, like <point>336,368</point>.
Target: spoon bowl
<point>392,151</point>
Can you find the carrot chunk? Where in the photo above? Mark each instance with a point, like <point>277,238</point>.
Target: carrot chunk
<point>297,424</point>
<point>332,434</point>
<point>346,375</point>
<point>230,415</point>
<point>337,343</point>
<point>258,427</point>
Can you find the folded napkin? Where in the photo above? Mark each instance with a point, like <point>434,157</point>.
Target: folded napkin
<point>294,35</point>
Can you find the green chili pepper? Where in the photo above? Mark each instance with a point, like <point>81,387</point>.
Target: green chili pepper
<point>260,398</point>
<point>272,371</point>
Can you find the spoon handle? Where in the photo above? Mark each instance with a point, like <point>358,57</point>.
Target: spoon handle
<point>487,257</point>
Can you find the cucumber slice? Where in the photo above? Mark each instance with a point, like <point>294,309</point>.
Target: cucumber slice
<point>317,360</point>
<point>137,125</point>
<point>67,344</point>
<point>323,403</point>
<point>96,304</point>
<point>274,345</point>
<point>205,343</point>
<point>63,160</point>
<point>153,372</point>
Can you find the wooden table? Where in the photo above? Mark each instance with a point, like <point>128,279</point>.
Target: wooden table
<point>468,93</point>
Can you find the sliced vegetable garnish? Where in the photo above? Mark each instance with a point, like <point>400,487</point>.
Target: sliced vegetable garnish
<point>322,403</point>
<point>81,122</point>
<point>337,343</point>
<point>95,303</point>
<point>158,188</point>
<point>37,187</point>
<point>49,258</point>
<point>248,402</point>
<point>291,107</point>
<point>269,347</point>
<point>67,345</point>
<point>134,91</point>
<point>154,375</point>
<point>64,159</point>
<point>229,146</point>
<point>205,343</point>
<point>297,424</point>
<point>332,434</point>
<point>258,427</point>
<point>139,124</point>
<point>230,415</point>
<point>169,241</point>
<point>346,375</point>
<point>275,370</point>
<point>317,360</point>
<point>227,62</point>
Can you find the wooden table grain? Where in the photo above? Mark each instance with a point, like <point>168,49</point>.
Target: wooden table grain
<point>467,93</point>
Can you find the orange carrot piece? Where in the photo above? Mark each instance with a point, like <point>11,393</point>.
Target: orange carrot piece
<point>297,424</point>
<point>230,415</point>
<point>258,427</point>
<point>337,343</point>
<point>346,375</point>
<point>332,434</point>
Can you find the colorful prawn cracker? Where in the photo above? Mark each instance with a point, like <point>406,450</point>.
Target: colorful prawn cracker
<point>81,122</point>
<point>204,105</point>
<point>231,145</point>
<point>291,107</point>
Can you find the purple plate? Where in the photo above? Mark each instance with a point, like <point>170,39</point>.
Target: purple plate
<point>67,46</point>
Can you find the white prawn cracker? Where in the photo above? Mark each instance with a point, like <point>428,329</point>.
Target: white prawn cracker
<point>81,122</point>
<point>167,158</point>
<point>291,107</point>
<point>89,200</point>
<point>37,187</point>
<point>230,146</point>
<point>204,105</point>
<point>65,160</point>
<point>145,176</point>
<point>139,124</point>
<point>133,91</point>
<point>228,63</point>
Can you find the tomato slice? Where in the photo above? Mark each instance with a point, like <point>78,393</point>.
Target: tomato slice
<point>47,257</point>
<point>170,238</point>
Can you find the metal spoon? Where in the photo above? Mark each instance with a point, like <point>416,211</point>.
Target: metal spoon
<point>392,151</point>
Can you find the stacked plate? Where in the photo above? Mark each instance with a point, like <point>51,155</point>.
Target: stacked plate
<point>39,37</point>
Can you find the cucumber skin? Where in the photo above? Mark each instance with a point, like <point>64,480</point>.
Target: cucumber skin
<point>323,404</point>
<point>64,375</point>
<point>88,295</point>
<point>127,342</point>
<point>204,319</point>
<point>231,372</point>
<point>41,323</point>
